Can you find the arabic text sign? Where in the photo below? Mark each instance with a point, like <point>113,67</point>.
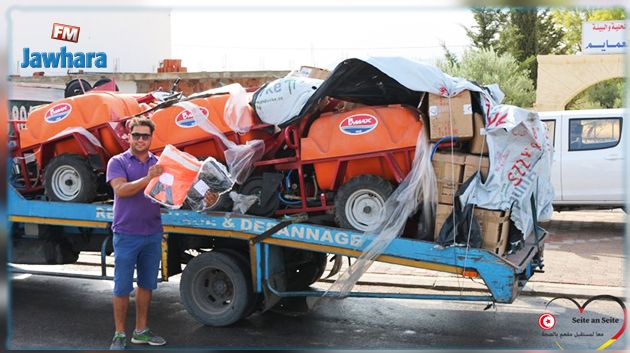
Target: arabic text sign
<point>606,37</point>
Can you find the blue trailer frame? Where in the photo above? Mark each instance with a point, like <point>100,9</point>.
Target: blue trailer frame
<point>504,277</point>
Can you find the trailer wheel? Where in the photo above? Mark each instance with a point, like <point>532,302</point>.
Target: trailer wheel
<point>309,268</point>
<point>215,290</point>
<point>103,81</point>
<point>359,201</point>
<point>241,256</point>
<point>76,87</point>
<point>254,186</point>
<point>70,178</point>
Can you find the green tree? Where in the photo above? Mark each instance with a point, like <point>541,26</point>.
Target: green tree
<point>485,35</point>
<point>487,67</point>
<point>524,32</point>
<point>607,94</point>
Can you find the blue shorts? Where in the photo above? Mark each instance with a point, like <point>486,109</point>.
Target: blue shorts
<point>143,252</point>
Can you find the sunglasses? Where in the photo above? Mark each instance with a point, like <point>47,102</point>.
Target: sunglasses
<point>137,136</point>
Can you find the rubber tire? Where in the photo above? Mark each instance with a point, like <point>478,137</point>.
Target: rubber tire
<point>86,174</point>
<point>253,186</point>
<point>242,288</point>
<point>244,262</point>
<point>73,88</point>
<point>103,81</point>
<point>309,272</point>
<point>374,183</point>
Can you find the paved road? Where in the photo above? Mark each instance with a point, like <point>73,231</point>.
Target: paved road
<point>585,248</point>
<point>50,312</point>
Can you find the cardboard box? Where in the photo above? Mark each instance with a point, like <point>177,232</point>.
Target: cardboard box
<point>446,191</point>
<point>442,211</point>
<point>478,143</point>
<point>472,165</point>
<point>494,225</point>
<point>449,167</point>
<point>495,229</point>
<point>443,114</point>
<point>311,72</point>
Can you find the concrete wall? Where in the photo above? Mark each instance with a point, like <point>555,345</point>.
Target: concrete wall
<point>140,82</point>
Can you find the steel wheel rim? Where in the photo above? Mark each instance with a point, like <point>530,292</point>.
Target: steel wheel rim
<point>213,291</point>
<point>66,183</point>
<point>362,208</point>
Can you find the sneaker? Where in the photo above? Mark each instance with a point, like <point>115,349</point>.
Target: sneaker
<point>119,341</point>
<point>146,336</point>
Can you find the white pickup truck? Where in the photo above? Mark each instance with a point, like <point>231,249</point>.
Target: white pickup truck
<point>588,166</point>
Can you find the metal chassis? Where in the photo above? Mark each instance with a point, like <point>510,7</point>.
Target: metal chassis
<point>503,278</point>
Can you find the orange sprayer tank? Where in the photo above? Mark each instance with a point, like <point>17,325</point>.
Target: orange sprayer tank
<point>359,131</point>
<point>175,125</point>
<point>86,111</point>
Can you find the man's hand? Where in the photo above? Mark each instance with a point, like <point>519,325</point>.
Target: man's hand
<point>211,198</point>
<point>155,171</point>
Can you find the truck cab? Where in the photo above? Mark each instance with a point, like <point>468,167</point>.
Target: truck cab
<point>588,158</point>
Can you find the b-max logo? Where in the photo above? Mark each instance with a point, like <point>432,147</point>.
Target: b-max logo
<point>65,32</point>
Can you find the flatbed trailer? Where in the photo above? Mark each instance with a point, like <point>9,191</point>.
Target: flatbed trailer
<point>245,263</point>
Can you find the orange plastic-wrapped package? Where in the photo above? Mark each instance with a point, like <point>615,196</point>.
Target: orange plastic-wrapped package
<point>180,171</point>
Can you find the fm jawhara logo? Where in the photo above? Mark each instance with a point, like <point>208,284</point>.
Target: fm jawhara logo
<point>64,57</point>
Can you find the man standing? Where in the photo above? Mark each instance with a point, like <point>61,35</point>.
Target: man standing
<point>137,228</point>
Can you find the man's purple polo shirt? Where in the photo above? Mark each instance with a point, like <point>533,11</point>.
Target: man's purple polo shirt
<point>136,214</point>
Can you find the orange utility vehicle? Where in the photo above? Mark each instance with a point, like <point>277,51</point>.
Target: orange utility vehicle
<point>338,160</point>
<point>63,147</point>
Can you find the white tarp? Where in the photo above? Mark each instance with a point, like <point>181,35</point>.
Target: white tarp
<point>423,77</point>
<point>283,99</point>
<point>520,155</point>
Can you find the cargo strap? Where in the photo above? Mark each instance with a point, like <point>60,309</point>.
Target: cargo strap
<point>283,224</point>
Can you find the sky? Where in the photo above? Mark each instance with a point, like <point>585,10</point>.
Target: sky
<point>286,39</point>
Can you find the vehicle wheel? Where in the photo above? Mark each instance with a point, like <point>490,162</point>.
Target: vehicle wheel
<point>304,268</point>
<point>215,289</point>
<point>103,81</point>
<point>246,268</point>
<point>76,87</point>
<point>254,186</point>
<point>359,201</point>
<point>70,178</point>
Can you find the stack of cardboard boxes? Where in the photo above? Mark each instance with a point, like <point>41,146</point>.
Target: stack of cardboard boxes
<point>456,118</point>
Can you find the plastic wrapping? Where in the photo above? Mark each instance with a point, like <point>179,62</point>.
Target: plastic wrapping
<point>180,170</point>
<point>240,159</point>
<point>242,203</point>
<point>237,113</point>
<point>212,177</point>
<point>520,157</point>
<point>418,187</point>
<point>281,100</point>
<point>391,80</point>
<point>83,131</point>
